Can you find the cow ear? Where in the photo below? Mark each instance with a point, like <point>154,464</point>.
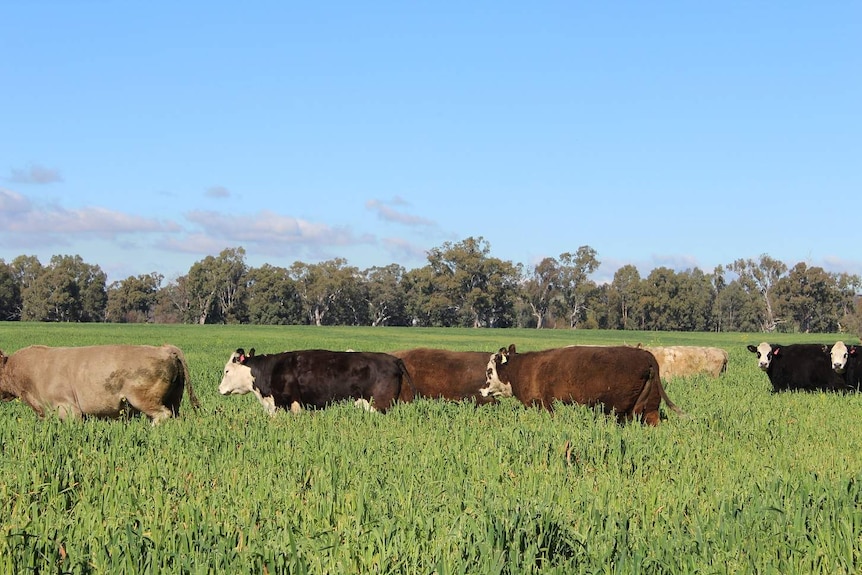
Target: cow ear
<point>512,349</point>
<point>251,352</point>
<point>825,348</point>
<point>3,358</point>
<point>775,350</point>
<point>853,349</point>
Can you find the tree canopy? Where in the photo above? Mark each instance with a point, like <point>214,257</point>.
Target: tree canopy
<point>461,285</point>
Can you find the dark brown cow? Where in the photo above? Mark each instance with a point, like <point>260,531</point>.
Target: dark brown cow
<point>315,378</point>
<point>624,380</point>
<point>440,373</point>
<point>100,381</point>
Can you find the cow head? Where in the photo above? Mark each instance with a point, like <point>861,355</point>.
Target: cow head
<point>497,382</point>
<point>5,395</point>
<point>237,378</point>
<point>840,353</point>
<point>765,354</point>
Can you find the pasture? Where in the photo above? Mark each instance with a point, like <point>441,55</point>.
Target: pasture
<point>751,482</point>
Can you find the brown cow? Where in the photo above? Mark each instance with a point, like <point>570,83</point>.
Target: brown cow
<point>440,373</point>
<point>682,360</point>
<point>624,380</point>
<point>100,381</point>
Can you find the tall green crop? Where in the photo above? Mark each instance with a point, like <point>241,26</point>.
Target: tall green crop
<point>751,482</point>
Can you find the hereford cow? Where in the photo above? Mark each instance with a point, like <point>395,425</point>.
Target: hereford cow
<point>99,381</point>
<point>682,360</point>
<point>624,380</point>
<point>439,373</point>
<point>845,362</point>
<point>315,378</point>
<point>798,366</point>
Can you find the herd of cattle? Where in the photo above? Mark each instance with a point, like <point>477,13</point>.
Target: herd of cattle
<point>625,381</point>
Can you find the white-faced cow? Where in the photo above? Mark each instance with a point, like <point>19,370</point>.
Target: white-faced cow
<point>440,373</point>
<point>624,380</point>
<point>798,366</point>
<point>683,360</point>
<point>100,381</point>
<point>845,361</point>
<point>315,378</point>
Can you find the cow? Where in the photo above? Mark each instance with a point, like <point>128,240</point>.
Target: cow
<point>444,374</point>
<point>683,360</point>
<point>624,380</point>
<point>845,361</point>
<point>798,366</point>
<point>103,381</point>
<point>315,378</point>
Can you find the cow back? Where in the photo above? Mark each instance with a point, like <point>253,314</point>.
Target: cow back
<point>589,375</point>
<point>318,377</point>
<point>440,373</point>
<point>684,360</point>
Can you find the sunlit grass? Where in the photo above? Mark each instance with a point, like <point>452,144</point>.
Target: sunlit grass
<point>751,483</point>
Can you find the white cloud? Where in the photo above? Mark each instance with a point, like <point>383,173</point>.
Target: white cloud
<point>217,192</point>
<point>47,223</point>
<point>268,227</point>
<point>384,212</point>
<point>35,174</point>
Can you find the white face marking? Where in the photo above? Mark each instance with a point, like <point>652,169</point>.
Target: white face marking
<point>494,386</point>
<point>764,355</point>
<point>839,357</point>
<point>237,378</point>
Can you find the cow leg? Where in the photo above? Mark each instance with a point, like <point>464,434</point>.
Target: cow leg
<point>652,418</point>
<point>365,404</point>
<point>160,415</point>
<point>68,411</point>
<point>154,409</point>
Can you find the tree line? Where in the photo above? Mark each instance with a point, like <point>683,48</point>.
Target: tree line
<point>462,285</point>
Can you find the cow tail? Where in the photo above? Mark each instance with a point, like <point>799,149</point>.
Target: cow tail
<point>193,399</point>
<point>406,374</point>
<point>670,404</point>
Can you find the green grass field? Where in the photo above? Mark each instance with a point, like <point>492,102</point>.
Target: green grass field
<point>751,483</point>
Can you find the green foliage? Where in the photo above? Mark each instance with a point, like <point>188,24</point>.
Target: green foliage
<point>10,294</point>
<point>461,286</point>
<point>751,483</point>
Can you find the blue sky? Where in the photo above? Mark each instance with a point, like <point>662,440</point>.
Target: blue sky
<point>144,136</point>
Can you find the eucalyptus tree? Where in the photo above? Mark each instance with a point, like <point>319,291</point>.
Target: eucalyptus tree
<point>67,289</point>
<point>623,298</point>
<point>133,300</point>
<point>25,269</point>
<point>810,299</point>
<point>214,285</point>
<point>10,294</point>
<point>540,288</point>
<point>465,282</point>
<point>573,283</point>
<point>322,287</point>
<point>759,278</point>
<point>386,295</point>
<point>428,303</point>
<point>691,307</point>
<point>271,297</point>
